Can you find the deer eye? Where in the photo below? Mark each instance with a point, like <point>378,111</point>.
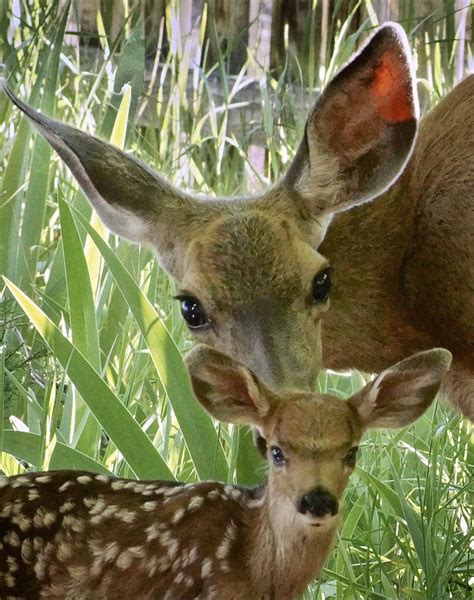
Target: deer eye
<point>322,285</point>
<point>193,312</point>
<point>350,457</point>
<point>277,456</point>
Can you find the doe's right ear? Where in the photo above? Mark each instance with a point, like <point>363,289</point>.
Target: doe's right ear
<point>132,200</point>
<point>361,130</point>
<point>227,389</point>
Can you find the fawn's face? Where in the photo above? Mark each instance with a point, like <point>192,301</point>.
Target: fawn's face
<point>311,445</point>
<point>252,284</point>
<point>310,440</point>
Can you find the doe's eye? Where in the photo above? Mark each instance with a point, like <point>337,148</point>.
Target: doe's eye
<point>277,456</point>
<point>322,285</point>
<point>351,456</point>
<point>192,311</point>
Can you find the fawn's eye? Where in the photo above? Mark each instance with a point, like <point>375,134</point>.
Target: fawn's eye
<point>322,285</point>
<point>277,456</point>
<point>350,457</point>
<point>192,311</point>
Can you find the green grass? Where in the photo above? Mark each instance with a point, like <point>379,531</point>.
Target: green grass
<point>91,371</point>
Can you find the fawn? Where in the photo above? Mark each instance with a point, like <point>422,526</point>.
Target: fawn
<point>255,272</point>
<point>73,535</point>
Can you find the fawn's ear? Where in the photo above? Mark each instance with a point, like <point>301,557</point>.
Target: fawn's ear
<point>361,130</point>
<point>132,200</point>
<point>226,389</point>
<point>402,393</point>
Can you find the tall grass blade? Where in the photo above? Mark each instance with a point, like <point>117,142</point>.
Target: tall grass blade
<point>112,415</point>
<point>198,431</point>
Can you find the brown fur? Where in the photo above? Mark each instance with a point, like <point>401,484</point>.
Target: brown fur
<point>72,535</point>
<point>403,263</point>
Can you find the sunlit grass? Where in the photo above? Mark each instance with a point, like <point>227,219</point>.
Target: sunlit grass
<point>114,336</point>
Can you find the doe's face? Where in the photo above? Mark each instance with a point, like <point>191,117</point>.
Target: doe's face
<point>311,449</point>
<point>254,288</point>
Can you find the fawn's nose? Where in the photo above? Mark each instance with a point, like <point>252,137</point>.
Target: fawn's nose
<point>318,502</point>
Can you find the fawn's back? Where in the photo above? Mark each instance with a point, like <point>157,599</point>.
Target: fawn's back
<point>74,534</point>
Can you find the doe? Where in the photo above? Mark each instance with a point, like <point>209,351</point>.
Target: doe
<point>74,535</point>
<point>255,272</point>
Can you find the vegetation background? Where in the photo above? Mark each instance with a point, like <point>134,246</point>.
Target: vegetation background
<point>91,340</point>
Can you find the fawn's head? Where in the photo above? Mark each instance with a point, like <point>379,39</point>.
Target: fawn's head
<point>253,284</point>
<point>311,440</point>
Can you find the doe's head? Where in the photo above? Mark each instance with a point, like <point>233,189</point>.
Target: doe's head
<point>311,440</point>
<point>253,284</point>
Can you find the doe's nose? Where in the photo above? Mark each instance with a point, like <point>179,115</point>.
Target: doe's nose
<point>318,502</point>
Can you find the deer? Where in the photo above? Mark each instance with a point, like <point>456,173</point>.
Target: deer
<point>75,535</point>
<point>363,249</point>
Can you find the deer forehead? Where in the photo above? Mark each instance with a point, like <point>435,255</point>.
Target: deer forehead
<point>249,254</point>
<point>316,424</point>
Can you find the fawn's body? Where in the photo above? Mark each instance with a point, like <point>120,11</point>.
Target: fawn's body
<point>107,538</point>
<point>69,535</point>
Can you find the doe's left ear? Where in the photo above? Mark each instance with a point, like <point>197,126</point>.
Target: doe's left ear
<point>402,393</point>
<point>361,130</point>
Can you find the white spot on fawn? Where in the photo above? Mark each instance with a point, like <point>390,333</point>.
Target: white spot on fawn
<point>73,523</point>
<point>191,557</point>
<point>43,479</point>
<point>22,481</point>
<point>172,491</point>
<point>224,547</point>
<point>206,568</point>
<point>152,532</point>
<point>195,503</point>
<point>127,516</point>
<point>33,494</point>
<point>65,486</point>
<point>111,551</point>
<point>38,544</point>
<point>117,485</point>
<point>84,479</point>
<point>66,507</point>
<point>12,539</point>
<point>151,566</point>
<point>178,516</point>
<point>26,550</point>
<point>63,551</point>
<point>23,522</point>
<point>43,518</point>
<point>12,564</point>
<point>126,558</point>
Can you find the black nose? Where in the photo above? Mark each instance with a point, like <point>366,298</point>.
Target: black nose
<point>318,502</point>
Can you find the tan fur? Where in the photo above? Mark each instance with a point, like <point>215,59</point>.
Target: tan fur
<point>403,262</point>
<point>72,535</point>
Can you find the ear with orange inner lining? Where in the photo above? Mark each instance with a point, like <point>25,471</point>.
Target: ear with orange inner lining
<point>361,130</point>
